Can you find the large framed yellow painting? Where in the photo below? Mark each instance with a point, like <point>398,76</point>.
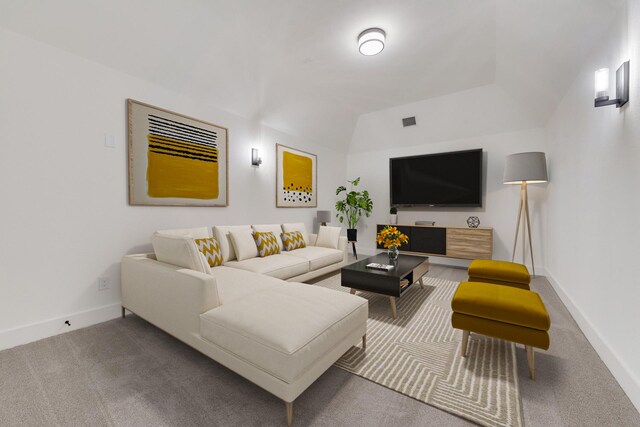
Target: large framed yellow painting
<point>175,160</point>
<point>296,178</point>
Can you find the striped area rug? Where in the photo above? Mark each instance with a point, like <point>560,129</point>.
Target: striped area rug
<point>418,355</point>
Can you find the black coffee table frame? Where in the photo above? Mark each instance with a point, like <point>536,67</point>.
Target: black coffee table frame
<point>358,277</point>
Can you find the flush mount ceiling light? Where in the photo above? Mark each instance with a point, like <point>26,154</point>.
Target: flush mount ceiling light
<point>371,41</point>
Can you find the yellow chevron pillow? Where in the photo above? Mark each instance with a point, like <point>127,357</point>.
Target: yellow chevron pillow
<point>210,248</point>
<point>292,240</point>
<point>266,242</point>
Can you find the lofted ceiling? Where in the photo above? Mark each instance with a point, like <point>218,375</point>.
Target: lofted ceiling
<point>294,64</point>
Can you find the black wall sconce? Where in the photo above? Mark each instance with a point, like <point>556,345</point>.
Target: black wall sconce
<point>255,160</point>
<point>622,87</point>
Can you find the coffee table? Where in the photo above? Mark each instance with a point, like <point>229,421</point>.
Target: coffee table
<point>358,277</point>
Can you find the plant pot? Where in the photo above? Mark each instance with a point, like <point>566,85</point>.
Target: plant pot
<point>352,234</point>
<point>393,219</point>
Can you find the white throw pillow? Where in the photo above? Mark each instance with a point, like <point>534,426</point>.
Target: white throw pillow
<point>221,233</point>
<point>328,237</point>
<point>179,251</point>
<point>297,226</point>
<point>243,244</point>
<point>273,228</point>
<point>196,233</point>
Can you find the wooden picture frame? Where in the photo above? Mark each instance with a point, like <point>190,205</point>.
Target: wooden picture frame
<point>296,178</point>
<point>175,160</point>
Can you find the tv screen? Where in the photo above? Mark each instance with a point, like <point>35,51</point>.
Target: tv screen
<point>443,179</point>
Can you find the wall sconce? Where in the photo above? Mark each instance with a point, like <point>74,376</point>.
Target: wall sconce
<point>255,160</point>
<point>622,87</point>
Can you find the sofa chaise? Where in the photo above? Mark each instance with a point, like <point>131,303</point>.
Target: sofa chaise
<point>252,316</point>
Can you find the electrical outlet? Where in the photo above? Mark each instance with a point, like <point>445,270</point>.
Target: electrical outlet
<point>104,283</point>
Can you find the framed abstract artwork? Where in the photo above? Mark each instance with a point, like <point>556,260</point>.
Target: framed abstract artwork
<point>296,178</point>
<point>175,160</point>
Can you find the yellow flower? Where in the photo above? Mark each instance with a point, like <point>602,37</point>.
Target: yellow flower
<point>391,236</point>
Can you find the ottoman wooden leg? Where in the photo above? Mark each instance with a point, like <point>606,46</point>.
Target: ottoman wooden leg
<point>364,342</point>
<point>531,362</point>
<point>123,313</point>
<point>465,342</point>
<point>289,409</point>
<point>353,291</point>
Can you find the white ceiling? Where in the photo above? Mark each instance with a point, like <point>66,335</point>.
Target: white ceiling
<point>294,64</point>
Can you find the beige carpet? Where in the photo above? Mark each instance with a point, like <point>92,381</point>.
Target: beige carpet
<point>418,355</point>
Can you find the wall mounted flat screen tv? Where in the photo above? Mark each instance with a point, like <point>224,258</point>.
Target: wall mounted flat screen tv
<point>442,179</point>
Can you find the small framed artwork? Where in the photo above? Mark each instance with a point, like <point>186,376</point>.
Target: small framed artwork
<point>296,178</point>
<point>176,160</point>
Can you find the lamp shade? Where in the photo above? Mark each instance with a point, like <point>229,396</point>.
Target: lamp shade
<point>525,167</point>
<point>324,216</point>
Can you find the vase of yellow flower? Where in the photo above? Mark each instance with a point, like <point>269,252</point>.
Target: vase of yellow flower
<point>391,239</point>
<point>393,253</point>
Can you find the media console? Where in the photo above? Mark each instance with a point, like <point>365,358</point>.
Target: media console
<point>452,242</point>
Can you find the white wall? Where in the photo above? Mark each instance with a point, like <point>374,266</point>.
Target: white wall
<point>383,129</point>
<point>484,110</point>
<point>65,220</point>
<point>594,206</point>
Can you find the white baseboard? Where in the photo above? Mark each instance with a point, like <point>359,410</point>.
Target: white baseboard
<point>618,368</point>
<point>36,331</point>
<point>365,251</point>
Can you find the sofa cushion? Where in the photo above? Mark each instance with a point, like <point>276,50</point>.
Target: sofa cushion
<point>292,240</point>
<point>280,266</point>
<point>276,229</point>
<point>221,232</point>
<point>243,244</point>
<point>318,257</point>
<point>297,226</point>
<point>180,251</point>
<point>194,233</point>
<point>210,248</point>
<point>267,243</point>
<point>234,283</point>
<point>328,237</point>
<point>285,329</point>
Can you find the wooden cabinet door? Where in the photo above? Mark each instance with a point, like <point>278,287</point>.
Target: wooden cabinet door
<point>469,243</point>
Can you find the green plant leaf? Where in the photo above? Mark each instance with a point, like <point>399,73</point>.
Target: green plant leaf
<point>353,205</point>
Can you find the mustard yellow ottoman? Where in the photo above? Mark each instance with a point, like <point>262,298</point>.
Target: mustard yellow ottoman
<point>503,312</point>
<point>500,273</point>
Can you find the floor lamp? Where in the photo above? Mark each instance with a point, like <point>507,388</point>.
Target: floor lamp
<point>523,169</point>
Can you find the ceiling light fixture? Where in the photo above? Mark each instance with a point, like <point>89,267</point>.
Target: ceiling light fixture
<point>371,41</point>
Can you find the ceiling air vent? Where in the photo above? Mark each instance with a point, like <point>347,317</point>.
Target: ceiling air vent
<point>409,121</point>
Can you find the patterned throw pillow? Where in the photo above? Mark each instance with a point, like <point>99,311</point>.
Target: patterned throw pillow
<point>292,240</point>
<point>210,248</point>
<point>266,242</point>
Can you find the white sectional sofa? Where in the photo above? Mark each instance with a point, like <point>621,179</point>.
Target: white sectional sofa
<point>281,335</point>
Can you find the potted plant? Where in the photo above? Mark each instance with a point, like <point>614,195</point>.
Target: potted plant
<point>391,239</point>
<point>352,207</point>
<point>393,216</point>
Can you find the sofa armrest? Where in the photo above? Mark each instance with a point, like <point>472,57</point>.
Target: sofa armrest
<point>170,297</point>
<point>342,245</point>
